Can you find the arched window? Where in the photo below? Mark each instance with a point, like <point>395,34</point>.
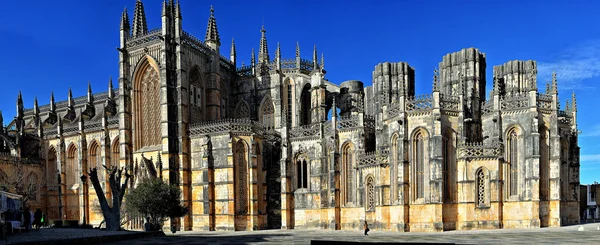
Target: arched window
<point>196,95</point>
<point>481,185</point>
<point>347,173</point>
<point>305,118</point>
<point>267,112</point>
<point>370,194</point>
<point>302,173</point>
<point>241,204</point>
<point>544,164</point>
<point>95,159</point>
<point>394,168</point>
<point>564,169</point>
<point>513,162</point>
<point>419,165</point>
<point>449,166</point>
<point>51,169</point>
<point>289,110</point>
<point>242,110</point>
<point>114,155</point>
<point>32,186</point>
<point>71,173</point>
<point>147,106</point>
<point>224,99</point>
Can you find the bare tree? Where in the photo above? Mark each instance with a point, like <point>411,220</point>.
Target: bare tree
<point>112,214</point>
<point>16,180</point>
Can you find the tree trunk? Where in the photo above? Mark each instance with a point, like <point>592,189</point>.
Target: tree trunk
<point>112,215</point>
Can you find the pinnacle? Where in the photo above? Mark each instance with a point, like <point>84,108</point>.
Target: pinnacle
<point>263,52</point>
<point>212,33</point>
<point>140,27</point>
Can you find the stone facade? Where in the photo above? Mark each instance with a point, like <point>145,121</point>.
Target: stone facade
<point>274,144</point>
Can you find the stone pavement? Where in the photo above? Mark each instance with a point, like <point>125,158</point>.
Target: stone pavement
<point>69,235</point>
<point>560,235</point>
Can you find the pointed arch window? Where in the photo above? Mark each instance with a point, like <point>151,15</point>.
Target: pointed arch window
<point>71,169</point>
<point>242,110</point>
<point>395,168</point>
<point>289,110</point>
<point>268,114</point>
<point>481,182</point>
<point>95,160</point>
<point>370,194</point>
<point>302,173</point>
<point>114,157</point>
<point>449,167</point>
<point>147,107</point>
<point>51,169</point>
<point>419,165</point>
<point>347,181</point>
<point>305,97</point>
<point>241,183</point>
<point>513,162</point>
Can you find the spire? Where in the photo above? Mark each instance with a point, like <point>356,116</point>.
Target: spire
<point>165,10</point>
<point>111,93</point>
<point>125,21</point>
<point>322,61</point>
<point>567,107</point>
<point>263,52</point>
<point>554,88</point>
<point>212,38</point>
<point>315,64</point>
<point>278,51</point>
<point>36,108</point>
<point>140,27</point>
<point>253,59</point>
<point>547,87</point>
<point>232,55</point>
<point>90,96</point>
<point>178,11</point>
<point>1,122</point>
<point>70,98</point>
<point>436,85</point>
<point>52,105</point>
<point>297,49</point>
<point>19,105</point>
<point>573,101</point>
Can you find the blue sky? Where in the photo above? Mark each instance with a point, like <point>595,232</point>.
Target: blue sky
<point>53,45</point>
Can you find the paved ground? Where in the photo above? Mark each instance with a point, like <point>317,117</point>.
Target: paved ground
<point>562,235</point>
<point>45,234</point>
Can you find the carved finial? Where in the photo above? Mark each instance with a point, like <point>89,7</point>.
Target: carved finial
<point>547,87</point>
<point>178,11</point>
<point>253,59</point>
<point>315,60</point>
<point>436,85</point>
<point>140,27</point>
<point>212,34</point>
<point>36,108</point>
<point>567,107</point>
<point>263,51</point>
<point>52,105</point>
<point>554,83</point>
<point>297,49</point>
<point>232,54</point>
<point>70,98</point>
<point>573,101</point>
<point>322,61</point>
<point>111,93</point>
<point>125,21</point>
<point>90,96</point>
<point>278,51</point>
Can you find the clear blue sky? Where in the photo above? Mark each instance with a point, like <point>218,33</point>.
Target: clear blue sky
<point>53,45</point>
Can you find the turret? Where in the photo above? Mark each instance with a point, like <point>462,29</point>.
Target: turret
<point>111,93</point>
<point>140,27</point>
<point>263,52</point>
<point>232,55</point>
<point>125,28</point>
<point>212,38</point>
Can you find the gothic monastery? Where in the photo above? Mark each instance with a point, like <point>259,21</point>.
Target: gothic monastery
<point>275,145</point>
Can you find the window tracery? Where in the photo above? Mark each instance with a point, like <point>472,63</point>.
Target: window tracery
<point>481,188</point>
<point>268,114</point>
<point>242,110</point>
<point>347,174</point>
<point>513,156</point>
<point>301,173</point>
<point>241,179</point>
<point>149,92</point>
<point>370,195</point>
<point>419,165</point>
